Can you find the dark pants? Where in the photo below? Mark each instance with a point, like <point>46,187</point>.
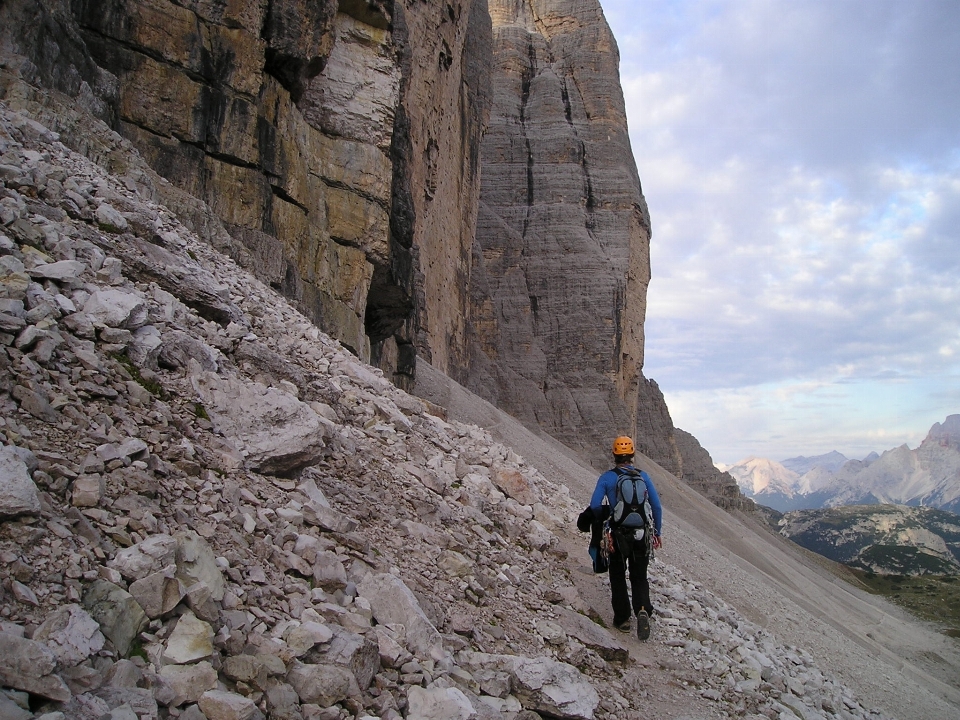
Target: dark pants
<point>633,555</point>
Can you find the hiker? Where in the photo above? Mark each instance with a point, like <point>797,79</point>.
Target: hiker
<point>629,548</point>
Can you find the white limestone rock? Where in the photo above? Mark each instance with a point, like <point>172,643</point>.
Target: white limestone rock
<point>189,682</point>
<point>29,665</point>
<point>87,491</point>
<point>543,685</point>
<point>276,432</point>
<point>116,309</point>
<point>222,705</point>
<point>146,557</point>
<point>196,563</point>
<point>72,634</point>
<point>18,493</point>
<point>393,602</point>
<point>439,704</point>
<point>191,640</point>
<point>159,592</point>
<point>60,270</point>
<point>118,614</point>
<point>322,684</point>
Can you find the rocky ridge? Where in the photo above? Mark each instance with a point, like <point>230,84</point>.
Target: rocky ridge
<point>209,509</point>
<point>928,476</point>
<point>699,472</point>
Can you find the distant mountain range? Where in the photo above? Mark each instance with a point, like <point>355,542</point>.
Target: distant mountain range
<point>887,539</point>
<point>926,476</point>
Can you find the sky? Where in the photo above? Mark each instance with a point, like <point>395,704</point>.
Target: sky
<point>801,163</point>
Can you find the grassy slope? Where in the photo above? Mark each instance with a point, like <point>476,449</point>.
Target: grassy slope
<point>935,598</point>
<point>932,597</point>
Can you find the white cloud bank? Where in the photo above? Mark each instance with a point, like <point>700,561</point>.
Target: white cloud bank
<point>801,161</point>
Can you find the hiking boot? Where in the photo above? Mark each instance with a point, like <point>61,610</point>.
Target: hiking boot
<point>624,626</point>
<point>643,625</point>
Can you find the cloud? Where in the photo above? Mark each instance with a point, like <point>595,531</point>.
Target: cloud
<point>801,161</point>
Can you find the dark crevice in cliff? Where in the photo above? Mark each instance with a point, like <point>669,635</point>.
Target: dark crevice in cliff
<point>588,182</point>
<point>388,305</point>
<point>565,96</point>
<point>619,301</point>
<point>526,78</point>
<point>295,50</point>
<point>394,299</point>
<point>445,58</point>
<point>338,185</point>
<point>288,198</point>
<point>587,179</point>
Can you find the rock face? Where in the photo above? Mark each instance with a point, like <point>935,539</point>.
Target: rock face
<point>562,261</point>
<point>336,143</point>
<point>700,472</point>
<point>335,150</point>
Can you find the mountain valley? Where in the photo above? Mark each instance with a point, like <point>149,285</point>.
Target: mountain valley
<point>926,476</point>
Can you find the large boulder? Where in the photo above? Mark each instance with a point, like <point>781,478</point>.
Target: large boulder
<point>29,665</point>
<point>439,704</point>
<point>277,433</point>
<point>393,602</point>
<point>196,563</point>
<point>119,615</point>
<point>18,493</point>
<point>322,684</point>
<point>591,635</point>
<point>148,556</point>
<point>546,686</point>
<point>72,634</point>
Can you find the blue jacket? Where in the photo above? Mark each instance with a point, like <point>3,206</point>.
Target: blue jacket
<point>607,488</point>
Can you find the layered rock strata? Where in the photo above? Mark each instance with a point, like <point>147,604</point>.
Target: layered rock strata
<point>562,261</point>
<point>336,142</point>
<point>338,145</point>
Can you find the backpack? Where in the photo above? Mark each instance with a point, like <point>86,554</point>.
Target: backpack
<point>632,510</point>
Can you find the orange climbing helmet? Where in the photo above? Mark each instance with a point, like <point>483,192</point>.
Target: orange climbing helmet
<point>623,446</point>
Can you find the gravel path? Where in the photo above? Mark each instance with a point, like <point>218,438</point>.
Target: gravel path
<point>887,661</point>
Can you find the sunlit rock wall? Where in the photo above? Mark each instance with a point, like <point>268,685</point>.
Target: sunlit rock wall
<point>337,143</point>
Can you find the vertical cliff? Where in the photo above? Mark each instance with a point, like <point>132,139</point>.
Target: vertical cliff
<point>341,146</point>
<point>419,304</point>
<point>562,261</point>
<point>337,142</point>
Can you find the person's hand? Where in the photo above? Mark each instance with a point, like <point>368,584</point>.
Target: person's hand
<point>657,542</point>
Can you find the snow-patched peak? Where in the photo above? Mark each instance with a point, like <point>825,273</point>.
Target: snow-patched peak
<point>929,475</point>
<point>755,475</point>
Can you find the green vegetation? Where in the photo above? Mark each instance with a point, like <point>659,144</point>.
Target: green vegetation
<point>931,597</point>
<point>909,560</point>
<point>888,539</point>
<point>151,386</point>
<point>137,649</point>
